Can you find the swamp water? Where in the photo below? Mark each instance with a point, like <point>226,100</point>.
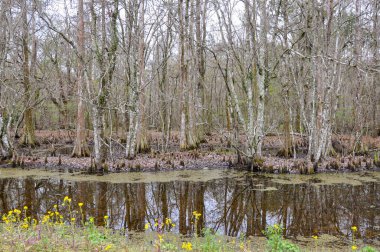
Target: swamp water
<point>231,202</point>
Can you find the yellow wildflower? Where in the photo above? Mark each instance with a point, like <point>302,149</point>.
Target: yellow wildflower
<point>45,219</point>
<point>315,237</point>
<point>197,215</point>
<point>25,208</point>
<point>160,238</point>
<point>241,246</point>
<point>168,221</point>
<point>354,247</point>
<point>72,219</point>
<point>276,226</point>
<point>187,246</point>
<point>354,228</point>
<point>109,246</point>
<point>55,206</point>
<point>25,226</point>
<point>66,199</point>
<point>106,217</point>
<point>146,226</point>
<point>80,204</point>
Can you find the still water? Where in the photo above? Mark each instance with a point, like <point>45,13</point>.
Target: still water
<point>232,203</point>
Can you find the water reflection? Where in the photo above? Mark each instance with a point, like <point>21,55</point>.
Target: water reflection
<point>229,206</point>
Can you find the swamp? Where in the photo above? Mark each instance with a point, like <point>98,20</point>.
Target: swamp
<point>230,203</point>
<point>190,125</point>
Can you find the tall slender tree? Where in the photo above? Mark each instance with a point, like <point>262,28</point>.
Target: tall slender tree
<point>80,145</point>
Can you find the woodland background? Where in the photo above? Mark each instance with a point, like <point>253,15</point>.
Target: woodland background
<point>115,73</point>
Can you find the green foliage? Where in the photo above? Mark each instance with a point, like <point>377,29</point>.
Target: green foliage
<point>168,246</point>
<point>210,243</point>
<point>275,241</point>
<point>93,233</point>
<point>368,249</point>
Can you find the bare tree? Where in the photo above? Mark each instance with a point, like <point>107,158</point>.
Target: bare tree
<point>80,146</point>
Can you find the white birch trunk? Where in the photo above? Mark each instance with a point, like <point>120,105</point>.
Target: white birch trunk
<point>4,141</point>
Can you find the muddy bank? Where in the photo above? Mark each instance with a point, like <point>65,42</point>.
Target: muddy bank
<point>55,147</point>
<point>196,160</point>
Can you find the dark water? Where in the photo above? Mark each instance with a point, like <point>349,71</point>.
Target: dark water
<point>230,206</point>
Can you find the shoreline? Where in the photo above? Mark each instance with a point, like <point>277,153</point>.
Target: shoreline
<point>54,152</point>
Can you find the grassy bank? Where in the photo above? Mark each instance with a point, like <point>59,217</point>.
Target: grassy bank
<point>72,232</point>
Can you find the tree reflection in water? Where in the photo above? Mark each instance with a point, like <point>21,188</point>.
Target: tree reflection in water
<point>228,206</point>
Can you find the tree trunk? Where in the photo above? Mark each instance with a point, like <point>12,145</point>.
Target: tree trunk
<point>186,138</point>
<point>80,145</point>
<point>28,137</point>
<point>136,81</point>
<point>143,144</point>
<point>5,147</point>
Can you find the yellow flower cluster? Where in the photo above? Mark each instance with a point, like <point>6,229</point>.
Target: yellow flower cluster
<point>160,237</point>
<point>147,225</point>
<point>17,212</point>
<point>157,224</point>
<point>197,215</point>
<point>187,246</point>
<point>16,222</point>
<point>52,218</point>
<point>12,216</point>
<point>67,200</point>
<point>169,222</point>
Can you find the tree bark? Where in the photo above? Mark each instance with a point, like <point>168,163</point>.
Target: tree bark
<point>28,137</point>
<point>80,145</point>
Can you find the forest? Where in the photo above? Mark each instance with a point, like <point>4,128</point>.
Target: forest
<point>267,85</point>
